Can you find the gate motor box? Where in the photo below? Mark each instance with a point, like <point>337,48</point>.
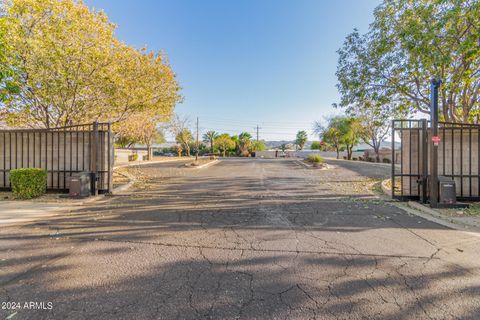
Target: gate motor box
<point>447,190</point>
<point>80,184</point>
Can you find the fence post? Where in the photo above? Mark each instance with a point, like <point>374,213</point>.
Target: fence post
<point>393,159</point>
<point>94,162</point>
<point>424,157</point>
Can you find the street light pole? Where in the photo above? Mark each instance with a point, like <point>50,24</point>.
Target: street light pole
<point>196,154</point>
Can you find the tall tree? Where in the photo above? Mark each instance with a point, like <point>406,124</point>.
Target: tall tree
<point>301,139</point>
<point>408,43</point>
<point>341,132</point>
<point>71,69</point>
<point>375,125</point>
<point>352,133</point>
<point>330,134</point>
<point>210,137</point>
<point>140,128</point>
<point>184,138</point>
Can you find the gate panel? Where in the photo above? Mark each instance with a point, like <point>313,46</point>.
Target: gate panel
<point>458,158</point>
<point>61,151</point>
<point>409,173</point>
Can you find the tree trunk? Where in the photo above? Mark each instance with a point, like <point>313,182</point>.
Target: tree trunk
<point>349,152</point>
<point>377,153</point>
<point>338,152</point>
<point>149,152</point>
<point>224,153</point>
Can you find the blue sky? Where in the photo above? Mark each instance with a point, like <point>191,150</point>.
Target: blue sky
<point>247,62</point>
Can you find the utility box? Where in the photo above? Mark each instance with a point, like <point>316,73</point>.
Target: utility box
<point>447,192</point>
<point>80,184</point>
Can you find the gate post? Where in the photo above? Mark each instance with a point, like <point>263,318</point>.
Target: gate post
<point>94,156</point>
<point>435,84</point>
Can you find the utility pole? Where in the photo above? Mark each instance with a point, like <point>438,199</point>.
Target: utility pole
<point>258,135</point>
<point>196,154</point>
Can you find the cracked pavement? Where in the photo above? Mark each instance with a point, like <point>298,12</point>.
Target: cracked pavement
<point>244,239</point>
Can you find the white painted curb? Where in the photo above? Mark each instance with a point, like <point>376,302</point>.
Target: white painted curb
<point>208,164</point>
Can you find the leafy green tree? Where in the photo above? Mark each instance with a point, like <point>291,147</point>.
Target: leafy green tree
<point>210,137</point>
<point>224,143</point>
<point>283,147</point>
<point>244,143</point>
<point>315,145</point>
<point>408,43</point>
<point>341,132</point>
<point>140,128</point>
<point>352,131</point>
<point>301,139</point>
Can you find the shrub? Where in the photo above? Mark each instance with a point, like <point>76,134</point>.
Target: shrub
<point>354,159</point>
<point>133,157</point>
<point>315,158</point>
<point>386,160</point>
<point>28,183</point>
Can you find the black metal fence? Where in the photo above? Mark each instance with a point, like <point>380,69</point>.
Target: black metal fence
<point>458,158</point>
<point>61,151</point>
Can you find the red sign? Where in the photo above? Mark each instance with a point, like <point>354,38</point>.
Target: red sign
<point>436,139</point>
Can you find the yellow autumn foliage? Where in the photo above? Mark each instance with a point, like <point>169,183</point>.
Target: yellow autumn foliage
<point>71,69</point>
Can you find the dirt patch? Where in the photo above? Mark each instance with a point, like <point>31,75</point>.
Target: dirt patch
<point>472,211</point>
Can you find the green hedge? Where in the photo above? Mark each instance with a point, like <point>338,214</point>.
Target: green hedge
<point>315,158</point>
<point>28,183</point>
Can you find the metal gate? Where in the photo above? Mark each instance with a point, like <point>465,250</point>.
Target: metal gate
<point>458,158</point>
<point>61,151</point>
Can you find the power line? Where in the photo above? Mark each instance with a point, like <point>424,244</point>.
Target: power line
<point>208,119</point>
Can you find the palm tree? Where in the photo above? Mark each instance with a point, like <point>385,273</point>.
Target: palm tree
<point>210,137</point>
<point>244,141</point>
<point>302,137</point>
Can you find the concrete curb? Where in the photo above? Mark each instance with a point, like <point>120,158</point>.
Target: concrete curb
<point>363,162</point>
<point>208,164</point>
<point>143,163</point>
<point>439,218</point>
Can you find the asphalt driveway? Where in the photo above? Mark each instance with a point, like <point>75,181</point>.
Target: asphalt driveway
<point>246,239</point>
